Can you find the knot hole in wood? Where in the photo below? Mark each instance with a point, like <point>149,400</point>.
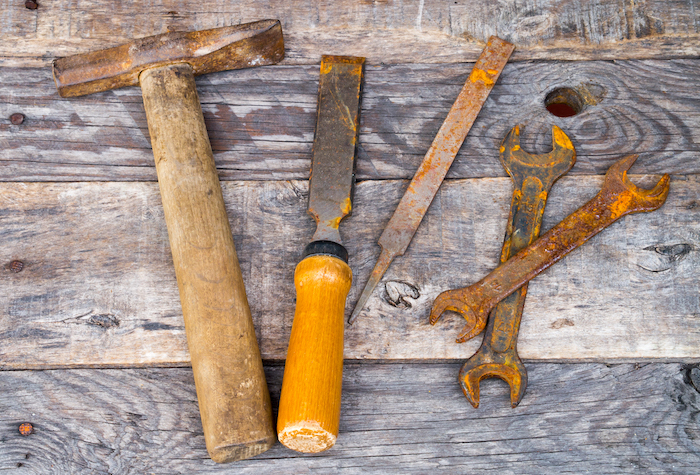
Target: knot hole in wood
<point>571,101</point>
<point>398,291</point>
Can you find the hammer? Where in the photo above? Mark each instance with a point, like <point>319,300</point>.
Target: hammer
<point>234,401</point>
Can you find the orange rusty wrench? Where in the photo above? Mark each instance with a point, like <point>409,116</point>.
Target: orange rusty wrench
<point>533,176</point>
<point>617,198</point>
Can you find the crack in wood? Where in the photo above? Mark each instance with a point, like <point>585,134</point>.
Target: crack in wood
<point>103,320</point>
<point>691,375</point>
<point>664,257</point>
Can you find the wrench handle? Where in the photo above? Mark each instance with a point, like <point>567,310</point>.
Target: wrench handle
<point>309,411</point>
<point>618,197</point>
<point>574,230</point>
<point>533,177</point>
<point>234,402</point>
<point>527,208</point>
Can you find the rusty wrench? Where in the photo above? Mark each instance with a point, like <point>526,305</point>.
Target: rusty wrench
<point>533,176</point>
<point>617,198</point>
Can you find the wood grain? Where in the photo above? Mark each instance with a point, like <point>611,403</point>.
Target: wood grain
<point>98,289</point>
<point>97,286</point>
<point>261,121</point>
<point>435,31</point>
<point>575,418</point>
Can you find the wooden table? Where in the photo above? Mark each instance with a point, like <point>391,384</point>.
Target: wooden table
<point>92,343</point>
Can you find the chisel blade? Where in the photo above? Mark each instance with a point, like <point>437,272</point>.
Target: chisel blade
<point>337,127</point>
<point>425,183</point>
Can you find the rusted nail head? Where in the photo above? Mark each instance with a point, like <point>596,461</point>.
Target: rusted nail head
<point>17,118</point>
<point>26,428</point>
<point>31,4</point>
<point>16,266</point>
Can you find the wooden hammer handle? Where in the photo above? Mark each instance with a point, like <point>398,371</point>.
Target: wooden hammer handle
<point>309,412</point>
<point>234,402</point>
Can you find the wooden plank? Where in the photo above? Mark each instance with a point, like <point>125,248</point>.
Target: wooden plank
<point>261,121</point>
<point>435,31</point>
<point>98,288</point>
<point>396,418</point>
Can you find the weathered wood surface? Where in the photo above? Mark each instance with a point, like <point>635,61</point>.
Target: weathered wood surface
<point>396,418</point>
<point>384,31</point>
<point>261,121</point>
<point>98,288</point>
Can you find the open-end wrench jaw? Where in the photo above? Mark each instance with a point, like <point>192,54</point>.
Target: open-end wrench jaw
<point>489,364</point>
<point>458,301</point>
<point>544,169</point>
<point>532,179</point>
<point>618,197</point>
<point>617,182</point>
<point>518,163</point>
<point>533,176</point>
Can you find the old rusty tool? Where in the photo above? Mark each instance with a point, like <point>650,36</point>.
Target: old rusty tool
<point>309,412</point>
<point>533,176</point>
<point>234,402</point>
<point>617,198</point>
<point>431,172</point>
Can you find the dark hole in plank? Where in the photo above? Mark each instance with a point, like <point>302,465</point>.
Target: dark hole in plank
<point>564,102</point>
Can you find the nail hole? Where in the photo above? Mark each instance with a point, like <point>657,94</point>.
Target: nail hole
<point>16,266</point>
<point>17,118</point>
<point>564,102</point>
<point>26,429</point>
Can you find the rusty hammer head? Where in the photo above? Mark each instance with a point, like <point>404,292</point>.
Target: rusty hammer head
<point>219,49</point>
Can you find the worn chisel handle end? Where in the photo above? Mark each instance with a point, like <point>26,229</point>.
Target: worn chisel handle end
<point>309,412</point>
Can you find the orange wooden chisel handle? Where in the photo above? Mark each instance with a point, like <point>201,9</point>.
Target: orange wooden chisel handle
<point>309,411</point>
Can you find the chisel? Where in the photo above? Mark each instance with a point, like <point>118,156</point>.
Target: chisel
<point>309,412</point>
